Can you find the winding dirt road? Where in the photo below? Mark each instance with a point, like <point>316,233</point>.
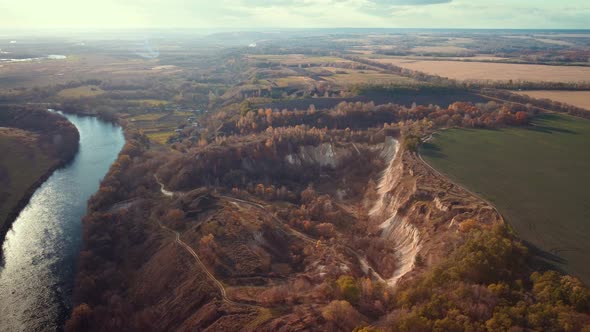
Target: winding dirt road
<point>286,229</point>
<point>190,250</point>
<point>366,267</point>
<point>283,226</point>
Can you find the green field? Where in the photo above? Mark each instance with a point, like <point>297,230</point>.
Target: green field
<point>538,177</point>
<point>81,91</point>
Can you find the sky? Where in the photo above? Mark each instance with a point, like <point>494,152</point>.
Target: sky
<point>207,14</point>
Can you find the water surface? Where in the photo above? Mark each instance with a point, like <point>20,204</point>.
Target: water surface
<point>41,249</point>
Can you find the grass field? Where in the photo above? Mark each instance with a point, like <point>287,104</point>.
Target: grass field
<point>22,164</point>
<point>293,81</point>
<point>160,137</point>
<point>576,98</point>
<point>494,71</point>
<point>297,59</point>
<point>81,91</point>
<point>148,117</point>
<point>440,49</point>
<point>345,76</point>
<point>151,102</point>
<point>538,177</point>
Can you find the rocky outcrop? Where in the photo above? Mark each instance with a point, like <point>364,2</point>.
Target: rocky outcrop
<point>396,228</point>
<point>325,154</point>
<point>413,203</point>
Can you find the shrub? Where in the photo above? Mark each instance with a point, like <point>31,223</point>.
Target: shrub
<point>348,289</point>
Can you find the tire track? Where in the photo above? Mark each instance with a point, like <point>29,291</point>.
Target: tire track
<point>200,263</point>
<point>362,260</point>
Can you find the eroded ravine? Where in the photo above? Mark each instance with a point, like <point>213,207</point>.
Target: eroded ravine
<point>403,235</point>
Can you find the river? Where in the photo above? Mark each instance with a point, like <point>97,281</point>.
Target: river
<point>41,249</point>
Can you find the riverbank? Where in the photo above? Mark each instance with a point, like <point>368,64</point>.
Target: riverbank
<point>26,197</point>
<point>35,143</point>
<point>41,250</point>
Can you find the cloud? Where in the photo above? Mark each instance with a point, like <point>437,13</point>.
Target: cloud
<point>296,13</point>
<point>387,8</point>
<point>411,2</point>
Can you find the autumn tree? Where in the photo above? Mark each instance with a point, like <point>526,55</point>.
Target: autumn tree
<point>521,118</point>
<point>308,195</point>
<point>207,248</point>
<point>348,288</point>
<point>341,314</point>
<point>81,318</point>
<point>174,217</point>
<point>411,143</point>
<point>325,229</point>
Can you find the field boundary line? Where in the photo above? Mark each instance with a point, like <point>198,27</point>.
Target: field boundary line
<point>450,180</point>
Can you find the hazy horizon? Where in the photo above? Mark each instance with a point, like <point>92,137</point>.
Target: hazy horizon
<point>28,15</point>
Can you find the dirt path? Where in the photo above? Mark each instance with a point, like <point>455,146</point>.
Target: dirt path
<point>366,267</point>
<point>190,250</point>
<point>286,229</point>
<point>162,188</point>
<point>283,226</point>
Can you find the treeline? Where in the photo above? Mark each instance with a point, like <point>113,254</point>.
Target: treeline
<point>527,85</point>
<point>112,233</point>
<point>487,285</point>
<point>58,137</point>
<point>474,84</point>
<point>253,149</point>
<point>407,51</point>
<point>271,157</point>
<point>358,115</point>
<point>541,103</point>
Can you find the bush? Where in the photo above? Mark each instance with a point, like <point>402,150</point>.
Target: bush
<point>411,143</point>
<point>342,314</point>
<point>348,289</point>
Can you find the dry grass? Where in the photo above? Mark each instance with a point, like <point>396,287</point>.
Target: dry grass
<point>495,71</point>
<point>263,316</point>
<point>368,77</point>
<point>148,117</point>
<point>76,68</point>
<point>151,102</point>
<point>555,42</point>
<point>477,57</point>
<point>576,98</point>
<point>297,59</point>
<point>164,67</point>
<point>182,113</point>
<point>346,77</point>
<point>81,91</point>
<point>293,81</point>
<point>160,137</point>
<point>440,49</point>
